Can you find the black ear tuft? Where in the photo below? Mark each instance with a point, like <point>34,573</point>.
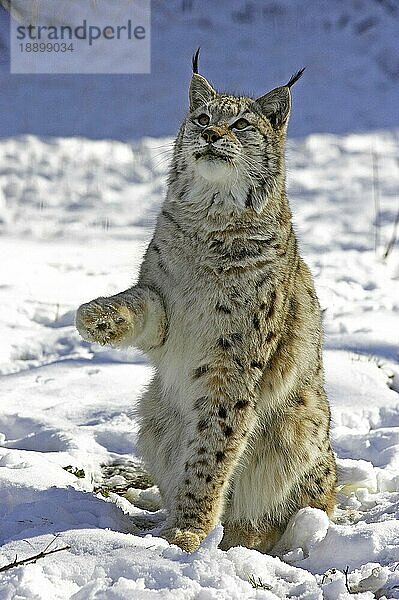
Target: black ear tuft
<point>294,78</point>
<point>195,61</point>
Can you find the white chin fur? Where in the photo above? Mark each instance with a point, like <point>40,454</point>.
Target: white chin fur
<point>214,170</point>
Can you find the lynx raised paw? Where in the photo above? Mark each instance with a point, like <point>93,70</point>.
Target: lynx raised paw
<point>105,321</point>
<point>186,539</point>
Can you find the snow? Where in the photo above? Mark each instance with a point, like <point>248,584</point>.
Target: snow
<point>75,218</point>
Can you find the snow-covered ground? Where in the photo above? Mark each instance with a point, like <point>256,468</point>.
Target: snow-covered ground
<point>75,217</point>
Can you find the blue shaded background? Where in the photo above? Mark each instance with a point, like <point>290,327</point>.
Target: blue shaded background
<point>350,49</point>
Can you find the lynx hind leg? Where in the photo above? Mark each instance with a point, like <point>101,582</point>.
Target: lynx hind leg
<point>318,487</point>
<point>241,533</point>
<point>160,439</point>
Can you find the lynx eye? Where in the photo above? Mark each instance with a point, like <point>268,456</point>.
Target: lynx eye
<point>241,124</point>
<point>203,120</point>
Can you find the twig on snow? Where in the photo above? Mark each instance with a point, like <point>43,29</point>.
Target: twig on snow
<point>376,199</point>
<point>347,582</point>
<point>35,557</point>
<point>393,239</point>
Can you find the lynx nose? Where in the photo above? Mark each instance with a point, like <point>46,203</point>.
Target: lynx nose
<point>211,135</point>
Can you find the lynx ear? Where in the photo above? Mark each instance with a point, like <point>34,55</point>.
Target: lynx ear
<point>276,105</point>
<point>201,90</point>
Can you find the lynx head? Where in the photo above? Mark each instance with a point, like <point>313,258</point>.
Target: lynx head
<point>228,138</point>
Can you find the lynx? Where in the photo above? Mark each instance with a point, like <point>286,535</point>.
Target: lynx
<point>235,423</point>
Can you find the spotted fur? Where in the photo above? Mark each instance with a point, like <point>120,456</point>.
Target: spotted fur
<point>235,424</point>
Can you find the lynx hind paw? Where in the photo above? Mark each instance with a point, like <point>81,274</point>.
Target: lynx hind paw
<point>187,540</point>
<point>104,321</point>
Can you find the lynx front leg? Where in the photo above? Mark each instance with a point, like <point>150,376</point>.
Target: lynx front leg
<point>135,317</point>
<point>217,438</point>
